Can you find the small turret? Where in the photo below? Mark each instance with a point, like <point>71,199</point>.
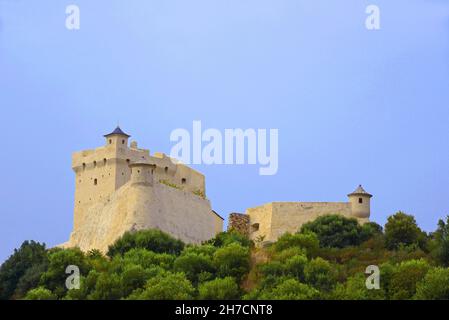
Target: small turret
<point>142,173</point>
<point>360,203</point>
<point>117,138</point>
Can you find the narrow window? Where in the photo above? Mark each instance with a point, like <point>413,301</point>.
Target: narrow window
<point>95,182</point>
<point>110,141</point>
<point>104,161</point>
<point>95,164</point>
<point>360,200</point>
<point>84,166</point>
<point>123,141</point>
<point>127,161</point>
<point>183,180</point>
<point>166,169</point>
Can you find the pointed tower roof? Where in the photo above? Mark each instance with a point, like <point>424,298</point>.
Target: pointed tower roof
<point>360,192</point>
<point>117,131</point>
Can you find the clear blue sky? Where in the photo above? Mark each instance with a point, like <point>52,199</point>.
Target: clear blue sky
<point>351,105</point>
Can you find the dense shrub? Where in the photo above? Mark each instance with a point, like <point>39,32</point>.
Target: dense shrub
<point>441,247</point>
<point>232,260</point>
<point>401,230</point>
<point>306,240</point>
<point>354,288</point>
<point>193,265</point>
<point>152,265</point>
<point>289,289</point>
<point>40,293</point>
<point>406,277</point>
<point>23,267</point>
<point>219,289</point>
<point>320,274</point>
<point>166,286</point>
<point>335,231</point>
<point>225,238</point>
<point>153,240</point>
<point>55,276</point>
<point>434,286</point>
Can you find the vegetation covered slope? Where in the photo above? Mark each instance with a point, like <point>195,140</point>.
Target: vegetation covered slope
<point>325,259</point>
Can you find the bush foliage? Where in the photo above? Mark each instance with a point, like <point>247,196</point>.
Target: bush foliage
<point>326,259</point>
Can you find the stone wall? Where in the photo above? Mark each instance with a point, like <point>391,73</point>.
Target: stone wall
<point>137,206</point>
<point>272,220</point>
<point>239,222</point>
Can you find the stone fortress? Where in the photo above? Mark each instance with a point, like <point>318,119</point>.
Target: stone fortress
<point>120,187</point>
<point>268,222</point>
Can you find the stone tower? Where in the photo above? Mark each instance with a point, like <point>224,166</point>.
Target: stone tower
<point>360,203</point>
<point>99,173</point>
<point>120,187</point>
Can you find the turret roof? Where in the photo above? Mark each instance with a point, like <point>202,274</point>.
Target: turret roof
<point>117,131</point>
<point>360,191</point>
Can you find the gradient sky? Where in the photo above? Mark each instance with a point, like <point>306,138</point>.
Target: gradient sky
<point>351,105</point>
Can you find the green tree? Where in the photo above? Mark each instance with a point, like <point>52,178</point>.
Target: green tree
<point>355,289</point>
<point>225,238</point>
<point>147,258</point>
<point>295,266</point>
<point>133,277</point>
<point>55,277</point>
<point>441,236</point>
<point>334,231</point>
<point>166,286</point>
<point>40,293</point>
<point>30,256</point>
<point>205,249</point>
<point>219,289</point>
<point>108,287</point>
<point>193,264</point>
<point>320,274</point>
<point>434,286</point>
<point>87,287</point>
<point>289,289</point>
<point>406,277</point>
<point>370,230</point>
<point>401,229</point>
<point>307,240</point>
<point>232,260</point>
<point>153,240</point>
